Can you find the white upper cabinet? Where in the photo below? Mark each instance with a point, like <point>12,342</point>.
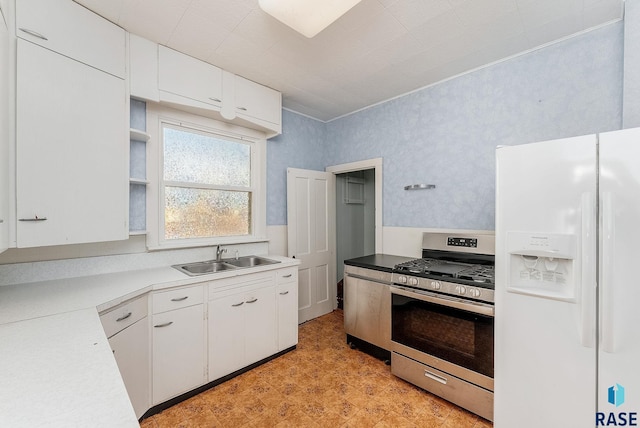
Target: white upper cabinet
<point>257,101</point>
<point>72,151</point>
<point>4,133</point>
<point>71,126</point>
<point>161,74</point>
<point>185,80</point>
<point>143,68</point>
<point>71,30</point>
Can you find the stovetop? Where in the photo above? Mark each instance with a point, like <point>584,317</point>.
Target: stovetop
<point>480,275</point>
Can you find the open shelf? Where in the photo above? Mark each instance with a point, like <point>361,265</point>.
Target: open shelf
<point>137,135</point>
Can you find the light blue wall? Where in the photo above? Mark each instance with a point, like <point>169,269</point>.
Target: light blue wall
<point>446,134</point>
<point>302,144</point>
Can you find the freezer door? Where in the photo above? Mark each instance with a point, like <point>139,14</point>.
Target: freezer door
<point>545,355</point>
<point>619,294</point>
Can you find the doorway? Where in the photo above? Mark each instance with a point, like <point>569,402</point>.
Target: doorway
<point>358,213</point>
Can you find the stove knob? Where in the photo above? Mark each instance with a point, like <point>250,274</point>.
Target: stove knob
<point>435,285</point>
<point>402,279</point>
<point>461,289</point>
<point>413,281</point>
<point>474,292</point>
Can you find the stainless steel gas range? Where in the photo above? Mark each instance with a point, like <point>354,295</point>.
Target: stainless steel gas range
<point>442,319</point>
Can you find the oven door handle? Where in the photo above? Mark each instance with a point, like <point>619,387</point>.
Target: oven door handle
<point>476,308</point>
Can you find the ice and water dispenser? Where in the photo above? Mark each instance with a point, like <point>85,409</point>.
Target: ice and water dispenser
<point>542,265</point>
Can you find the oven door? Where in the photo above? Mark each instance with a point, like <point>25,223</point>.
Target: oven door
<point>451,334</point>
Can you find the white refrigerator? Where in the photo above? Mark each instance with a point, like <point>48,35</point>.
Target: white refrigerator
<point>567,305</point>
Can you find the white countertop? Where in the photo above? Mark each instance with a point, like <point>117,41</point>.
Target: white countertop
<point>56,365</point>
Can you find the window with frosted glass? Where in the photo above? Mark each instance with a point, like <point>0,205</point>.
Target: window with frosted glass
<point>207,185</point>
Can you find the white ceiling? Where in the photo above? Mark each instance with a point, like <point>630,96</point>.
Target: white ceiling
<point>378,50</point>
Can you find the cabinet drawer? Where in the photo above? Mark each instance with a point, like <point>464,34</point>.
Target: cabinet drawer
<point>123,316</point>
<point>178,298</point>
<point>65,27</point>
<point>287,275</point>
<point>228,286</point>
<point>464,394</point>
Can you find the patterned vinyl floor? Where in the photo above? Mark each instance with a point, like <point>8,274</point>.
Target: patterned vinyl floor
<point>323,383</point>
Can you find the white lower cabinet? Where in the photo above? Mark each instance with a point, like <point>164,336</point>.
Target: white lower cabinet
<point>131,351</point>
<point>242,326</point>
<point>162,350</point>
<point>287,295</point>
<point>127,327</point>
<point>178,352</point>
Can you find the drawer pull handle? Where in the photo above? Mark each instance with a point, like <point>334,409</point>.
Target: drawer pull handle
<point>124,317</point>
<point>242,108</point>
<point>167,324</point>
<point>287,276</point>
<point>180,299</point>
<point>252,301</point>
<point>36,218</point>
<point>284,293</point>
<point>33,33</point>
<point>238,304</point>
<point>217,100</point>
<point>435,377</point>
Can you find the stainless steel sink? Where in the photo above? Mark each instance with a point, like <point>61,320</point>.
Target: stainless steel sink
<point>250,261</point>
<point>213,266</point>
<point>202,268</point>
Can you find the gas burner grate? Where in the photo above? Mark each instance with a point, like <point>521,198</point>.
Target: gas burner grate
<point>444,268</point>
<point>478,273</point>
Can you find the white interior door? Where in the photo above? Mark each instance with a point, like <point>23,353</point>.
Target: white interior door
<point>311,239</point>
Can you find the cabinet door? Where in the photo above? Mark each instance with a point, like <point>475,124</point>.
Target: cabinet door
<point>261,335</point>
<point>257,101</point>
<point>178,352</point>
<point>226,335</point>
<point>72,154</point>
<point>187,77</point>
<point>287,295</point>
<point>131,351</point>
<point>74,31</point>
<point>143,68</point>
<point>4,135</point>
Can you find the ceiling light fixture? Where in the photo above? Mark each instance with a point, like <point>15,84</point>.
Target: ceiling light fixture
<point>307,17</point>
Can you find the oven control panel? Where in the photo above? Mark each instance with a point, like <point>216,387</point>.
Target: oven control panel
<point>427,284</point>
<point>462,242</point>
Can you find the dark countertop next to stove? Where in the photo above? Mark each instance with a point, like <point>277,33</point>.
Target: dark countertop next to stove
<point>382,262</point>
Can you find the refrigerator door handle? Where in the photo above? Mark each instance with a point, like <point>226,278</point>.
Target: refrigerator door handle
<point>587,305</point>
<point>607,279</point>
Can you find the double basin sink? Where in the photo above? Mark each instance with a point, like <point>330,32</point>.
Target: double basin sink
<point>213,266</point>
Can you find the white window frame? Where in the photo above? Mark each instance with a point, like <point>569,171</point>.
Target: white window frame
<point>157,115</point>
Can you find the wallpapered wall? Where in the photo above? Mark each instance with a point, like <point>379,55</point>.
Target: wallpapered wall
<point>446,134</point>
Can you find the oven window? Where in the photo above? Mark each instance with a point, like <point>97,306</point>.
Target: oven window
<point>453,335</point>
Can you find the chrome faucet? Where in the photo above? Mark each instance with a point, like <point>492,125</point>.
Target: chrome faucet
<point>219,252</point>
